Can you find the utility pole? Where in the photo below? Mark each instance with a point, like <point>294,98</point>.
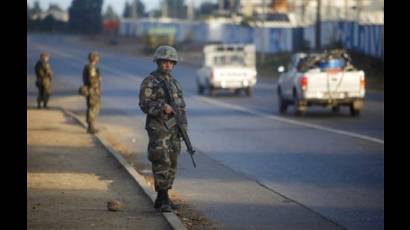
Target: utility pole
<point>346,10</point>
<point>164,8</point>
<point>359,9</point>
<point>303,10</point>
<point>263,30</point>
<point>136,8</point>
<point>134,13</point>
<point>232,8</point>
<point>318,24</point>
<point>190,13</point>
<point>221,6</point>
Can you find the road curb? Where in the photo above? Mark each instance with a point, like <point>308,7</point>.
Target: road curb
<point>171,217</point>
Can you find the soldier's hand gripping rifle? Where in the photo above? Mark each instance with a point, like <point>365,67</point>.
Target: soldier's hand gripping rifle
<point>177,120</point>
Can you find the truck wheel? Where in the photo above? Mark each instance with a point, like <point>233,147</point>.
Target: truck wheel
<point>355,108</point>
<point>336,109</point>
<point>300,110</point>
<point>212,91</point>
<point>354,112</point>
<point>248,91</point>
<point>282,104</point>
<point>237,92</point>
<point>200,89</point>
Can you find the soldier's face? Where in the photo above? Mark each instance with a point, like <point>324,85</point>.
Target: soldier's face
<point>166,66</point>
<point>95,60</point>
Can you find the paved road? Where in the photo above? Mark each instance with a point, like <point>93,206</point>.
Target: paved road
<point>256,169</point>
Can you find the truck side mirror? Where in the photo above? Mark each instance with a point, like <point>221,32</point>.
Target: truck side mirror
<point>281,69</point>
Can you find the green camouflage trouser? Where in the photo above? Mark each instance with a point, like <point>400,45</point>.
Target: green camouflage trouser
<point>163,151</point>
<point>44,91</point>
<point>93,108</point>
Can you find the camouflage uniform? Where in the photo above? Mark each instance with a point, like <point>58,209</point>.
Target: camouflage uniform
<point>92,79</point>
<point>43,80</point>
<point>164,145</point>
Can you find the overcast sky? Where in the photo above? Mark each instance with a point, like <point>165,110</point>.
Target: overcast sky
<point>118,5</point>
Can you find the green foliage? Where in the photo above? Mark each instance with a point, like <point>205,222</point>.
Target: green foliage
<point>110,14</point>
<point>85,16</point>
<point>47,24</point>
<point>127,13</point>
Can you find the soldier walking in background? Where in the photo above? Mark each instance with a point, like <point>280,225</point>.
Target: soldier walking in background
<point>92,83</point>
<point>43,80</point>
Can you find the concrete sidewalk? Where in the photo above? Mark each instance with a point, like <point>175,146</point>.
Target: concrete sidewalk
<point>70,178</point>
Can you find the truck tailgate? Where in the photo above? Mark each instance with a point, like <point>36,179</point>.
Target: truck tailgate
<point>234,73</point>
<point>335,82</point>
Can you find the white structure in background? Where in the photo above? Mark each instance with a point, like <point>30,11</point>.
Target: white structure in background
<point>58,14</point>
<point>359,28</point>
<point>190,10</point>
<point>362,11</point>
<point>250,7</point>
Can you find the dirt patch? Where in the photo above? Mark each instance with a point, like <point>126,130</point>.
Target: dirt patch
<point>192,218</point>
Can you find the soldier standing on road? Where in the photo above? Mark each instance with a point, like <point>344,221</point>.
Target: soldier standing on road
<point>43,80</point>
<point>164,144</point>
<point>92,80</point>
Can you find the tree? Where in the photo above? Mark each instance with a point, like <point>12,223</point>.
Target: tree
<point>33,12</point>
<point>175,8</point>
<point>140,9</point>
<point>127,13</point>
<point>230,5</point>
<point>110,14</point>
<point>32,24</point>
<point>155,13</point>
<point>54,7</point>
<point>318,25</point>
<point>85,16</point>
<point>127,10</point>
<point>28,17</point>
<point>36,8</point>
<point>48,23</point>
<point>207,8</point>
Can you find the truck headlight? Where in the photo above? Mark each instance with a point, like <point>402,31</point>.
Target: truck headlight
<point>245,83</point>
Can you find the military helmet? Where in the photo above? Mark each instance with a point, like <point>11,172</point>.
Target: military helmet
<point>93,55</point>
<point>166,53</point>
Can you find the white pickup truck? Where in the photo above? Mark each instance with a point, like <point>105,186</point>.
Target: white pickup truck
<point>227,67</point>
<point>321,79</point>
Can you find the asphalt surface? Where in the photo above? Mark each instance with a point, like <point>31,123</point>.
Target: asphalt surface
<point>256,169</point>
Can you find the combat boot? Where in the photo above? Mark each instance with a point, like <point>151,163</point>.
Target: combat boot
<point>45,105</point>
<point>173,205</point>
<point>159,199</point>
<point>165,207</point>
<point>91,129</point>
